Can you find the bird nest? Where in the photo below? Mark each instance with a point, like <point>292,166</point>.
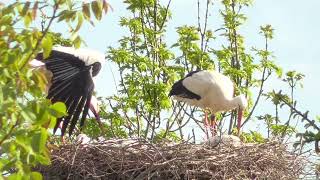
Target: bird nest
<point>138,159</point>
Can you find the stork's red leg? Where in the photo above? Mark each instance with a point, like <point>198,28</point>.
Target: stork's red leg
<point>206,119</point>
<point>213,125</point>
<point>239,127</point>
<point>206,124</point>
<point>240,113</point>
<point>61,138</point>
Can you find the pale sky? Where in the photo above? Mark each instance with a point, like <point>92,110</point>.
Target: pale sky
<point>295,44</point>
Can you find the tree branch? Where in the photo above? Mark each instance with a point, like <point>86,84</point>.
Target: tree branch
<point>56,6</point>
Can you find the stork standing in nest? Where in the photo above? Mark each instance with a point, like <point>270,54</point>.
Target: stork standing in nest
<point>209,90</point>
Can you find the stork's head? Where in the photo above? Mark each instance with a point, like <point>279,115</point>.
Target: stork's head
<point>242,103</point>
<point>95,68</point>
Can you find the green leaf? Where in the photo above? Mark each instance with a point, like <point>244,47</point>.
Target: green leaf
<point>175,45</point>
<point>58,109</point>
<point>66,15</point>
<point>86,10</point>
<point>27,19</point>
<point>24,142</point>
<point>15,176</point>
<point>39,140</point>
<point>36,176</point>
<point>28,115</point>
<point>80,21</point>
<point>53,121</point>
<point>77,42</point>
<point>45,160</point>
<point>47,46</point>
<point>96,7</point>
<point>25,8</point>
<point>1,95</point>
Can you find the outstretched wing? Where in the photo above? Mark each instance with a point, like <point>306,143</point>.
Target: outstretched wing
<point>72,84</point>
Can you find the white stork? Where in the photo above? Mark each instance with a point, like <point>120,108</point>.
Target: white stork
<point>209,90</point>
<point>71,72</point>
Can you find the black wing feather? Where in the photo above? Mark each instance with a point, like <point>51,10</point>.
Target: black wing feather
<point>179,90</point>
<point>64,77</point>
<point>58,88</point>
<point>191,73</point>
<point>76,115</point>
<point>85,110</point>
<point>84,103</point>
<point>72,84</point>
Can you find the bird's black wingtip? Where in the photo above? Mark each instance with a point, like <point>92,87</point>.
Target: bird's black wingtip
<point>172,92</point>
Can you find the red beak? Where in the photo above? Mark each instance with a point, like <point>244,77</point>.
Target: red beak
<point>240,113</point>
<point>94,107</point>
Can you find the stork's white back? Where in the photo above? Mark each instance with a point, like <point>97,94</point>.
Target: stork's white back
<point>214,88</point>
<point>201,82</point>
<point>224,84</point>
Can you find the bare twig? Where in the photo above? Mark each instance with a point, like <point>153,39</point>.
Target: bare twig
<point>304,116</point>
<point>55,9</point>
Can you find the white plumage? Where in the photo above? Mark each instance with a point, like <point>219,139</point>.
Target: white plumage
<point>209,90</point>
<point>88,56</point>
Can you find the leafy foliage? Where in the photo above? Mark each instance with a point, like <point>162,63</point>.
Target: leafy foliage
<point>252,137</point>
<point>25,114</point>
<point>148,66</point>
<point>142,59</point>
